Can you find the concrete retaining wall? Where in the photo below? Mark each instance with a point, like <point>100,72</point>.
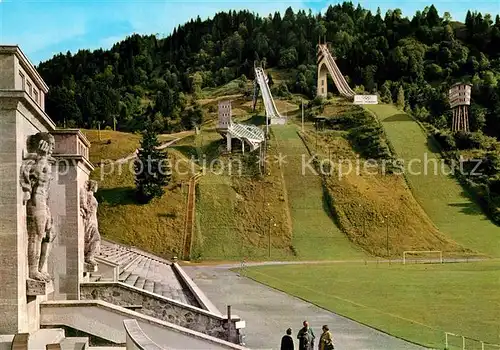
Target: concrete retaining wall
<point>162,308</point>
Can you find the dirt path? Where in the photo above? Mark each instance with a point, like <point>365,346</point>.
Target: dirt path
<point>134,154</point>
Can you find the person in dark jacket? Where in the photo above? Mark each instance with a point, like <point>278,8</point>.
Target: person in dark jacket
<point>287,340</point>
<point>306,337</point>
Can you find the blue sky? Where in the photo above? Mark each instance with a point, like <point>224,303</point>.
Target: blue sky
<point>43,28</point>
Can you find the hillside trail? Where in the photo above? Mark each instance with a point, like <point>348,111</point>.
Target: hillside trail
<point>442,197</point>
<point>314,232</point>
<point>134,154</point>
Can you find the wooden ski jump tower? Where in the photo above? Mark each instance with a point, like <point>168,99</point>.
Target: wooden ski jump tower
<point>459,95</point>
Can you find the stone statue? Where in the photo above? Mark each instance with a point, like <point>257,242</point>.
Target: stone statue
<point>35,179</point>
<point>88,206</point>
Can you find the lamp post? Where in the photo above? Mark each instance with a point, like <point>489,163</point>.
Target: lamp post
<point>364,222</point>
<point>269,236</point>
<point>302,115</point>
<point>387,235</point>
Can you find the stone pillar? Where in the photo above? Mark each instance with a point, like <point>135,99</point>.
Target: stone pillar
<point>20,117</point>
<point>13,249</point>
<point>73,170</point>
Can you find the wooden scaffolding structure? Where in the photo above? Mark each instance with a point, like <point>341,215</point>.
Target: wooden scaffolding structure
<point>460,121</point>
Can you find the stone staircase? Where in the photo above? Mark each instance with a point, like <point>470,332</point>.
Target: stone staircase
<point>48,339</point>
<point>145,271</point>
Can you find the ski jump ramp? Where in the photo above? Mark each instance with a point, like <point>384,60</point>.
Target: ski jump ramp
<point>326,64</point>
<point>248,133</point>
<point>272,114</point>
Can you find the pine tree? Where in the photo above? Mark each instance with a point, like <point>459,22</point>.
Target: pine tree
<point>401,98</point>
<point>386,94</point>
<point>152,168</point>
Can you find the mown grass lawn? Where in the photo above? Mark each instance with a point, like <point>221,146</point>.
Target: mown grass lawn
<point>315,235</point>
<point>442,197</point>
<point>417,302</point>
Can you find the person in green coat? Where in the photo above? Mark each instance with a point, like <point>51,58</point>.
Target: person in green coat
<point>306,337</point>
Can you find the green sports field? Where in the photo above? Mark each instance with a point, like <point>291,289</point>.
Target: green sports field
<point>441,196</point>
<point>417,302</point>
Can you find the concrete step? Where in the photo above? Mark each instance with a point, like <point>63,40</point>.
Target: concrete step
<point>135,263</point>
<point>134,258</point>
<point>75,343</point>
<point>124,258</point>
<point>124,275</point>
<point>147,268</point>
<point>42,337</point>
<point>131,279</point>
<point>149,286</point>
<point>157,288</point>
<point>140,282</point>
<point>142,269</point>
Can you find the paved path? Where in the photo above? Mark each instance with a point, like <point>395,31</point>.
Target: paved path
<point>232,265</point>
<point>268,313</point>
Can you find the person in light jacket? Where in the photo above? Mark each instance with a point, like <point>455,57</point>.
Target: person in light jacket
<point>326,339</point>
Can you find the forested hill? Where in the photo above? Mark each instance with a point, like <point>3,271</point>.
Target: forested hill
<point>144,78</point>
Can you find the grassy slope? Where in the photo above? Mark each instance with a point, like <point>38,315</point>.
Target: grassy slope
<point>315,235</point>
<point>403,300</point>
<point>115,144</point>
<point>112,145</point>
<point>363,198</point>
<point>232,214</point>
<point>441,196</point>
<point>157,227</point>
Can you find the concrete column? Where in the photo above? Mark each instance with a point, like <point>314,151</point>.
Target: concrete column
<point>73,169</point>
<point>12,249</point>
<point>20,117</point>
<point>322,87</point>
<point>18,121</point>
<point>228,139</point>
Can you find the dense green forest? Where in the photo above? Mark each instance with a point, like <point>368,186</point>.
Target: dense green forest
<point>146,79</point>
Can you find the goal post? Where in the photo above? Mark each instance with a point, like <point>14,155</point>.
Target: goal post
<point>418,252</point>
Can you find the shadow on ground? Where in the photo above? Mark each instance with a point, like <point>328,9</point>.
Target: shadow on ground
<point>117,196</point>
<point>398,118</point>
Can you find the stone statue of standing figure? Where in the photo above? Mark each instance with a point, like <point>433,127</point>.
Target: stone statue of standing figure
<point>88,205</point>
<point>35,178</point>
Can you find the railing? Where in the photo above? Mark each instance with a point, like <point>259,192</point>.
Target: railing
<point>464,340</point>
<point>271,110</point>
